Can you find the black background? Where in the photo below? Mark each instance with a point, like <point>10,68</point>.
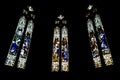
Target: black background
<point>39,59</point>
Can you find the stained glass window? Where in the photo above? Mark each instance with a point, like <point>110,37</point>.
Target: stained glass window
<point>26,45</point>
<point>64,50</point>
<point>60,53</point>
<point>93,44</point>
<point>103,41</point>
<point>15,45</point>
<point>21,41</point>
<point>56,49</point>
<point>103,47</point>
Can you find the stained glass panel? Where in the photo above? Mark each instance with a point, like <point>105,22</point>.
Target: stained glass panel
<point>103,41</point>
<point>93,44</point>
<point>15,45</point>
<point>26,45</point>
<point>56,49</point>
<point>64,50</point>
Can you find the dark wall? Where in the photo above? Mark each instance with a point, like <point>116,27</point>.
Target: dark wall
<point>46,11</point>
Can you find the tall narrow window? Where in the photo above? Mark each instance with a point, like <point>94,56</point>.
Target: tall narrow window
<point>15,45</point>
<point>26,45</point>
<point>56,49</point>
<point>103,41</point>
<point>23,35</point>
<point>60,53</point>
<point>103,46</point>
<point>93,44</point>
<point>64,50</point>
